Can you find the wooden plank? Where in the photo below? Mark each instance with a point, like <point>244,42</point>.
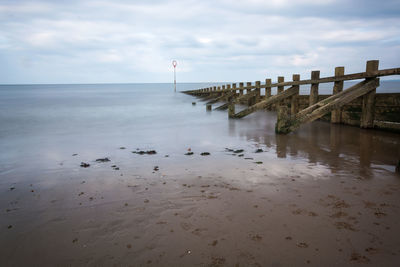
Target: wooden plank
<point>388,125</point>
<point>223,106</point>
<point>347,77</point>
<point>269,101</point>
<point>325,106</point>
<point>368,105</point>
<point>220,98</point>
<point>314,88</point>
<point>336,116</point>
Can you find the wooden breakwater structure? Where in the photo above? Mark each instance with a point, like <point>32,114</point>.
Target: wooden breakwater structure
<point>358,105</point>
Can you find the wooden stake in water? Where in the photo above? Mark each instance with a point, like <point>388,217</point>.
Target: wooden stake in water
<point>174,63</point>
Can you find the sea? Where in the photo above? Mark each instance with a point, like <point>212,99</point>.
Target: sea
<point>41,126</point>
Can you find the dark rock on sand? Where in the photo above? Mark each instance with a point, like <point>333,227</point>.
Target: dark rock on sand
<point>189,153</point>
<point>122,147</point>
<point>240,155</point>
<point>205,154</point>
<point>12,188</point>
<point>259,151</point>
<point>148,152</point>
<point>249,158</point>
<point>193,103</point>
<point>156,168</point>
<point>238,151</point>
<point>258,162</point>
<point>228,149</point>
<point>103,160</point>
<point>85,165</point>
<point>74,155</point>
<point>9,227</point>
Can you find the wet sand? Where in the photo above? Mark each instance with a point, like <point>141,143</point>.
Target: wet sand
<point>324,196</point>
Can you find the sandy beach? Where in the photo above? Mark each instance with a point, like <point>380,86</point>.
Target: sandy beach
<point>223,209</point>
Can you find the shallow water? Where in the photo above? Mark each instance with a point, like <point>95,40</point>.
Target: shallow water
<point>325,193</point>
<point>43,124</point>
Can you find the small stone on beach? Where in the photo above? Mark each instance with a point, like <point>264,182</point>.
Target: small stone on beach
<point>103,160</point>
<point>205,154</point>
<point>148,152</point>
<point>85,165</point>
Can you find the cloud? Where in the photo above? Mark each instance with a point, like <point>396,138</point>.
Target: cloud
<point>135,41</point>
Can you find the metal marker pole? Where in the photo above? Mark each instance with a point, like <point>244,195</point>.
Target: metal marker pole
<point>174,63</point>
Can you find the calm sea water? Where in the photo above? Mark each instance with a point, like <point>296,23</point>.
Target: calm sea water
<point>42,125</point>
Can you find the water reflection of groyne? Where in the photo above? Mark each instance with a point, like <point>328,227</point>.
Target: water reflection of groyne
<point>336,146</point>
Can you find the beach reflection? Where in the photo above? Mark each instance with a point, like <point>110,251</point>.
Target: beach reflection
<point>338,147</point>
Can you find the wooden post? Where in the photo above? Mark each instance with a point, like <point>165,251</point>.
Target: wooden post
<point>281,79</point>
<point>240,88</point>
<point>268,90</point>
<point>248,85</point>
<point>368,104</point>
<point>314,88</point>
<point>258,92</point>
<point>231,108</point>
<point>294,106</point>
<point>209,107</point>
<point>282,118</point>
<point>336,115</point>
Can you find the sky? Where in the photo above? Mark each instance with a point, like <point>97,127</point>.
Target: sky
<point>123,41</point>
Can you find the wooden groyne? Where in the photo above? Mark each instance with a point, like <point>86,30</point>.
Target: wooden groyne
<point>357,105</point>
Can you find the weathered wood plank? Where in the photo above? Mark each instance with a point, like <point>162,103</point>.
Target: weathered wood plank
<point>265,103</point>
<point>325,106</point>
<point>347,77</point>
<point>388,125</point>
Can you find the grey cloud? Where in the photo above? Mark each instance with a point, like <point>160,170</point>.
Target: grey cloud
<point>135,41</point>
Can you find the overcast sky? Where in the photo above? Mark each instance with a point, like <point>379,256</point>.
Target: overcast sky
<point>212,40</point>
